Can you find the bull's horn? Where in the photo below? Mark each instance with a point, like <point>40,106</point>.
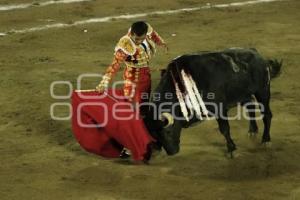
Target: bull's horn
<point>169,117</point>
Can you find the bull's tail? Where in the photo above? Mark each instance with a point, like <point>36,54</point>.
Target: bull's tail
<point>274,67</point>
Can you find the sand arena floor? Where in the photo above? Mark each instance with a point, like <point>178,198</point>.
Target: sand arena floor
<point>40,159</point>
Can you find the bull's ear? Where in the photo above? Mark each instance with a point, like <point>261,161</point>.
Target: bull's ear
<point>270,62</point>
<point>162,72</point>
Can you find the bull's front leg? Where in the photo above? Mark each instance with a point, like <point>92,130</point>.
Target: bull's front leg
<point>225,130</point>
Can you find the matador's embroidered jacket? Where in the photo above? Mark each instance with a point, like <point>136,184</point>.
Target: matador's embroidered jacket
<point>135,57</point>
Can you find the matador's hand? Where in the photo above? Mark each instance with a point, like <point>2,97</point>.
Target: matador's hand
<point>103,85</point>
<point>100,88</point>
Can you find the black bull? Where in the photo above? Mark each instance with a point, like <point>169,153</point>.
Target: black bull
<point>233,76</point>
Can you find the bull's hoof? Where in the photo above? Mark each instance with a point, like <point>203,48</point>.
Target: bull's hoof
<point>232,155</point>
<point>231,150</point>
<point>148,154</point>
<point>267,145</point>
<point>253,130</point>
<point>252,135</point>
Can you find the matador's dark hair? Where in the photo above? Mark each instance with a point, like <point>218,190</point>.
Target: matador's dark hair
<point>139,28</point>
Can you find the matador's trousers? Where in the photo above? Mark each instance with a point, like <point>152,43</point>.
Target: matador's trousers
<point>137,86</point>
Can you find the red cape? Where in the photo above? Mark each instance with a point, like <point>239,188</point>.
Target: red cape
<point>114,131</point>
